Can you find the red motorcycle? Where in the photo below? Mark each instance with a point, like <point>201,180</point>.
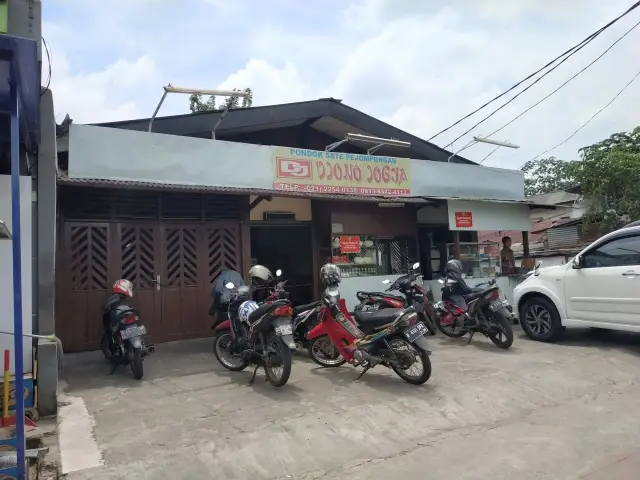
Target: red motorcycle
<point>392,337</point>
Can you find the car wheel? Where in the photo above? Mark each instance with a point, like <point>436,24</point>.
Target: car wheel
<point>540,320</point>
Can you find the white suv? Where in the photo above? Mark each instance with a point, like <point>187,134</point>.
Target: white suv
<point>599,288</point>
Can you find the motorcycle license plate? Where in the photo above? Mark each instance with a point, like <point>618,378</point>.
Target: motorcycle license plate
<point>284,329</point>
<point>417,331</point>
<point>495,306</point>
<point>133,332</point>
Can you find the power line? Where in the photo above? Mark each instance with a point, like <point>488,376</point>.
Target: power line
<point>568,53</point>
<point>590,119</point>
<point>545,97</point>
<point>569,80</point>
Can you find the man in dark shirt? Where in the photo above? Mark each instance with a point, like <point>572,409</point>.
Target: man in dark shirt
<point>507,259</point>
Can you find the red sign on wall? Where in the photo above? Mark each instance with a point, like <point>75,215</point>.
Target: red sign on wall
<point>464,220</point>
<point>350,244</point>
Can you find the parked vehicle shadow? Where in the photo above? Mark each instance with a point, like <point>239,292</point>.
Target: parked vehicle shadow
<point>346,377</point>
<point>601,339</point>
<point>479,341</point>
<point>287,393</point>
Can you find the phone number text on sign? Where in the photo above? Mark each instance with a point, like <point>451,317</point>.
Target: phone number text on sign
<point>376,192</point>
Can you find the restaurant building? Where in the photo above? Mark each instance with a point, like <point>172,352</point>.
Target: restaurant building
<point>170,209</point>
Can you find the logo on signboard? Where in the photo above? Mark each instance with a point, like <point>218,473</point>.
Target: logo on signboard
<point>288,168</point>
<point>464,220</point>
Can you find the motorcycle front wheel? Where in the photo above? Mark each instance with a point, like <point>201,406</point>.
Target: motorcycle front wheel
<point>450,330</point>
<point>324,353</point>
<point>104,346</point>
<point>501,333</point>
<point>222,342</point>
<point>279,360</point>
<point>420,359</point>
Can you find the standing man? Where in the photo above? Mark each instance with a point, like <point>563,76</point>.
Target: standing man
<point>507,259</point>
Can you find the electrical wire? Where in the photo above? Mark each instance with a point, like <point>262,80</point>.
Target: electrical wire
<point>590,119</point>
<point>46,47</point>
<point>567,54</point>
<point>569,80</point>
<point>546,96</point>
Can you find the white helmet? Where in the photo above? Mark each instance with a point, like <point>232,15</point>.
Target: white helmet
<point>246,309</point>
<point>260,272</point>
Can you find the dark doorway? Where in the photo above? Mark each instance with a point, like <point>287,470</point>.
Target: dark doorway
<point>288,248</point>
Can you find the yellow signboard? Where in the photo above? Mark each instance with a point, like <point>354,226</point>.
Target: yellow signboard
<point>313,171</point>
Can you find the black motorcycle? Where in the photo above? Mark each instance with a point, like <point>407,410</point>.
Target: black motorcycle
<point>305,317</point>
<point>481,310</point>
<point>122,342</point>
<point>413,294</point>
<point>263,337</point>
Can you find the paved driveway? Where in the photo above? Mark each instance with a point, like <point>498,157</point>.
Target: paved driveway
<point>536,411</point>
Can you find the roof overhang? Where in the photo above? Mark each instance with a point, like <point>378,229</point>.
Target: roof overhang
<point>326,115</point>
<point>530,204</point>
<point>63,179</point>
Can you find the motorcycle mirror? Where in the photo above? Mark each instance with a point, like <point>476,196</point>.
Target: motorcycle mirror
<point>229,285</point>
<point>386,281</point>
<point>278,272</point>
<point>416,265</point>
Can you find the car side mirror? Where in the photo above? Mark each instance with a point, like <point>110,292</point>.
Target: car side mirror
<point>577,262</point>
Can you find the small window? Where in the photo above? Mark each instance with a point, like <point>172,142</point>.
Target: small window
<point>616,253</point>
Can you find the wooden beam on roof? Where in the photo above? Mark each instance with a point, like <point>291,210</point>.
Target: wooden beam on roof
<point>258,200</point>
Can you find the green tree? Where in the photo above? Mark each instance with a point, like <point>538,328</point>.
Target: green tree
<point>196,103</point>
<point>609,176</point>
<point>547,175</point>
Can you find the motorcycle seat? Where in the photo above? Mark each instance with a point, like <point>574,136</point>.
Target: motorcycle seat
<point>265,308</point>
<point>363,295</point>
<point>473,295</point>
<point>377,318</point>
<point>303,308</point>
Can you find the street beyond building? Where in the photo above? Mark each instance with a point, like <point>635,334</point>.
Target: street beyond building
<point>543,411</point>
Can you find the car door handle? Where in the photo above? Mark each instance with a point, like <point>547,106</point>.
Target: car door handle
<point>631,273</point>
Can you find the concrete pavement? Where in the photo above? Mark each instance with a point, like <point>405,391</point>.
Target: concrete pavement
<point>536,411</point>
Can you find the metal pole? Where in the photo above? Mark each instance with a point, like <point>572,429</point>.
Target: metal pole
<point>17,274</point>
<point>473,142</point>
<point>153,117</point>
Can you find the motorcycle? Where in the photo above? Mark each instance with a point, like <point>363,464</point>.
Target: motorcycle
<point>391,337</point>
<point>486,312</point>
<point>126,346</point>
<point>413,294</point>
<point>264,338</point>
<point>305,317</point>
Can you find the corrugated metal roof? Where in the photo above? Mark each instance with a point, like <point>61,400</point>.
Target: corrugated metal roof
<point>495,200</point>
<point>64,179</point>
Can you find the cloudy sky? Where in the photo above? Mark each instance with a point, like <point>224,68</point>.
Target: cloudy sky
<point>417,64</point>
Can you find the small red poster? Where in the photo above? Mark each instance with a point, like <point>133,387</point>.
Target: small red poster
<point>350,244</point>
<point>464,220</point>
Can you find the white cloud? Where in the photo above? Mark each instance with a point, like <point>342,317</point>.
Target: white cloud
<point>419,65</point>
<point>272,85</point>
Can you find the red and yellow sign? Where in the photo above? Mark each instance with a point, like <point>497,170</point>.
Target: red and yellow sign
<point>350,244</point>
<point>313,171</point>
<point>464,220</point>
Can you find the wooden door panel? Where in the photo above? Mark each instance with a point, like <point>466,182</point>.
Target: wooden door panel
<point>181,282</point>
<point>86,256</point>
<point>140,263</point>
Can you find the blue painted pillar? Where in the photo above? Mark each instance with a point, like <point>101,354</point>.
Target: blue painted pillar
<point>17,274</point>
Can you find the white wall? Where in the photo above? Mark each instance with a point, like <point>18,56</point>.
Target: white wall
<point>6,269</point>
<point>118,154</point>
<point>490,216</point>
